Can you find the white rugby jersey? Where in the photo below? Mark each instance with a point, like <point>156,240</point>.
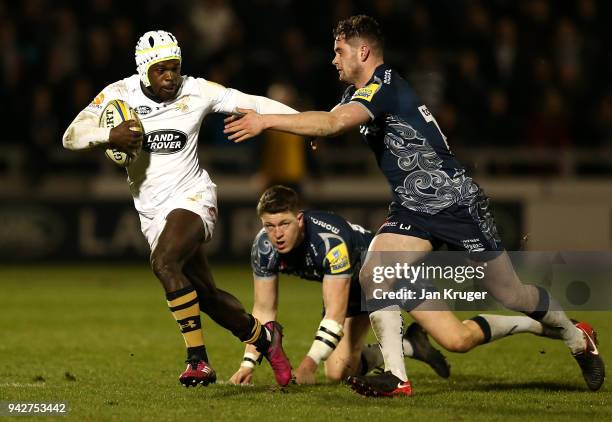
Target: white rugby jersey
<point>168,163</point>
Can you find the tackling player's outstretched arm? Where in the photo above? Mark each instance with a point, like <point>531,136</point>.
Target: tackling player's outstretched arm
<point>265,305</point>
<point>309,123</point>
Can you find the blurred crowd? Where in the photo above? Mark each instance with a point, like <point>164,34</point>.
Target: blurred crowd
<point>532,73</point>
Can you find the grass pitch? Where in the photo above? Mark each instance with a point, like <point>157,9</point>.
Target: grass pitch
<point>101,339</point>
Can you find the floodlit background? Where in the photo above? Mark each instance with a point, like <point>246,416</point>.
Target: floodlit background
<point>521,88</point>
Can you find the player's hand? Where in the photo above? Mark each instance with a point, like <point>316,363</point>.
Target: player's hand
<point>243,376</point>
<point>305,374</point>
<point>244,126</point>
<point>126,137</point>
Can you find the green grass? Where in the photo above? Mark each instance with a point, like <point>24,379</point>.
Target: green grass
<point>101,339</point>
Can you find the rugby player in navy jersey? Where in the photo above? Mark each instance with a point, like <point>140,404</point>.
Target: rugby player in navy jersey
<point>435,203</point>
<point>324,247</point>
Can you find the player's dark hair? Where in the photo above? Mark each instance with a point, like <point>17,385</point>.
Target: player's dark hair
<point>277,199</point>
<point>361,26</point>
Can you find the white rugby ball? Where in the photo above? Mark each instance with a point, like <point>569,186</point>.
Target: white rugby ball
<point>115,112</point>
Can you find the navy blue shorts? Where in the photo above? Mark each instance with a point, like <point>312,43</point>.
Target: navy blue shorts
<point>468,228</point>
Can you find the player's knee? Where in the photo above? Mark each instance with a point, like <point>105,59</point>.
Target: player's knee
<point>459,342</point>
<point>335,373</point>
<point>513,301</point>
<point>164,267</point>
<point>366,272</point>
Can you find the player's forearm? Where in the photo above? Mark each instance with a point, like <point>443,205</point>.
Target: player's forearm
<point>265,298</point>
<point>84,133</point>
<point>309,123</point>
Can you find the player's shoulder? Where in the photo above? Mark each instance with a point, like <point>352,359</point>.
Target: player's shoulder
<point>118,90</point>
<point>322,221</point>
<point>261,237</point>
<point>347,94</point>
<point>262,247</point>
<point>203,86</point>
<point>330,238</point>
<point>383,79</point>
<point>125,86</point>
<point>264,256</point>
<point>325,228</point>
<point>391,81</point>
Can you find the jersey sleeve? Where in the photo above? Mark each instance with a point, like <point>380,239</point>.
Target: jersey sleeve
<point>222,99</point>
<point>377,98</point>
<point>337,258</point>
<point>226,100</point>
<point>115,91</point>
<point>264,258</point>
<point>84,131</point>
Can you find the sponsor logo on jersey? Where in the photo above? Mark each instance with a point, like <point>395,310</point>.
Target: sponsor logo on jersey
<point>181,105</point>
<point>96,104</point>
<point>164,141</point>
<point>387,77</point>
<point>325,225</point>
<point>143,110</point>
<point>338,259</point>
<point>99,99</point>
<point>367,92</point>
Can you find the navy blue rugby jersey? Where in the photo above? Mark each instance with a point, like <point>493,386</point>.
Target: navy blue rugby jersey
<point>410,149</point>
<point>331,247</point>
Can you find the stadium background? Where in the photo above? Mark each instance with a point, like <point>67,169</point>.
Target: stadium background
<point>520,87</point>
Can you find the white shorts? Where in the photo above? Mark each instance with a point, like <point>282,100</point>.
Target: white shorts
<point>202,201</point>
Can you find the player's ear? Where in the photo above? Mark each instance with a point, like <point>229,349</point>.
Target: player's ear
<point>300,219</point>
<point>364,52</point>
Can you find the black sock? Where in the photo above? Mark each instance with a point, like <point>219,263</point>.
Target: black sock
<point>542,306</point>
<point>259,336</point>
<point>197,353</point>
<point>484,326</point>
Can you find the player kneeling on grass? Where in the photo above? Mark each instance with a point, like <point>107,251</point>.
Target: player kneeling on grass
<point>175,197</point>
<point>324,247</point>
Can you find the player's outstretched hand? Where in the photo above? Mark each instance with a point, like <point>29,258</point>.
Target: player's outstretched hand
<point>243,126</point>
<point>126,137</point>
<point>243,376</point>
<point>305,374</point>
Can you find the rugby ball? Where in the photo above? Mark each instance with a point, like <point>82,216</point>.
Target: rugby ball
<point>115,112</point>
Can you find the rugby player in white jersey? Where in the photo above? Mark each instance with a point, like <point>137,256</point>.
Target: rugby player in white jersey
<point>175,197</point>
